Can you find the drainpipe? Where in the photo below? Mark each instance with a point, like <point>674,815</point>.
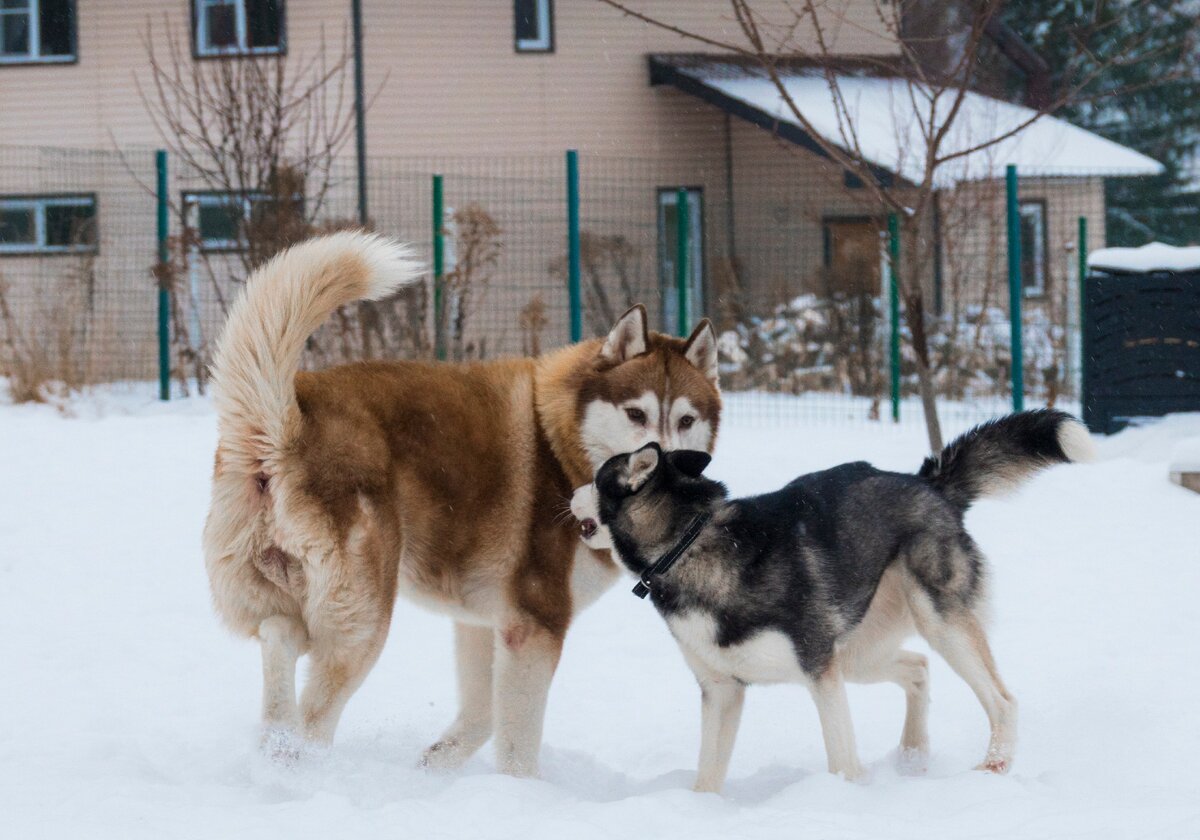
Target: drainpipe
<point>360,125</point>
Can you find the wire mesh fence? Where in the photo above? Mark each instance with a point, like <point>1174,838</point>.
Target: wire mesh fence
<point>792,266</point>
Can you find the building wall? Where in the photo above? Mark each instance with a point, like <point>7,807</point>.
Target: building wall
<point>446,77</point>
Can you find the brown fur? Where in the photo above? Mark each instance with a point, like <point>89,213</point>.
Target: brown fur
<point>446,482</point>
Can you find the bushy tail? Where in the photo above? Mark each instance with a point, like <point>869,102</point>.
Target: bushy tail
<point>282,305</point>
<point>996,456</point>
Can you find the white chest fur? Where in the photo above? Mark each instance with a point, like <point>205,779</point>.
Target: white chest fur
<point>766,657</point>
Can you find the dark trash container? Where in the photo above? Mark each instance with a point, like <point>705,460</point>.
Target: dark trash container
<point>1141,335</point>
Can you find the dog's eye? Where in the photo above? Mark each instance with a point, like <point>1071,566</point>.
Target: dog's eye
<point>636,415</point>
<point>686,421</point>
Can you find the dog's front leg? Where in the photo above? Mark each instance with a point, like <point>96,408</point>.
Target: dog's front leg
<point>474,649</point>
<point>721,701</point>
<point>526,656</point>
<point>833,708</point>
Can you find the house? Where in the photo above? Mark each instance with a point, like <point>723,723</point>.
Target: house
<point>490,96</point>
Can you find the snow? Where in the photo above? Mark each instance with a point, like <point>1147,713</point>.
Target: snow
<point>1186,455</point>
<point>127,712</point>
<point>886,116</point>
<point>1154,256</point>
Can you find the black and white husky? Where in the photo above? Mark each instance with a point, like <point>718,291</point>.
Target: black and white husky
<point>820,582</point>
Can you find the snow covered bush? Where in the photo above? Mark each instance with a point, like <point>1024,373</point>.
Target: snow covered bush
<point>839,345</point>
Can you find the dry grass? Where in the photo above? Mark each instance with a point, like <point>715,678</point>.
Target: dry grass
<point>46,339</point>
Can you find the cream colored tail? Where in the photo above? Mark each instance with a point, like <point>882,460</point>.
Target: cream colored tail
<point>282,305</point>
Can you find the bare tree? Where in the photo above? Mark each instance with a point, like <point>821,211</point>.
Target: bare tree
<point>779,36</point>
<point>258,137</point>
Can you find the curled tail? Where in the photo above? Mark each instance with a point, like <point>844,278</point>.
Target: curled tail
<point>282,305</point>
<point>996,456</point>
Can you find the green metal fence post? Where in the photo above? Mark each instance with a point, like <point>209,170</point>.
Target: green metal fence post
<point>1015,288</point>
<point>575,298</point>
<point>164,294</point>
<point>1083,270</point>
<point>681,260</point>
<point>894,312</point>
<point>439,267</point>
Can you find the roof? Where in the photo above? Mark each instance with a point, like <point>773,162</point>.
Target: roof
<point>886,117</point>
<point>1153,257</point>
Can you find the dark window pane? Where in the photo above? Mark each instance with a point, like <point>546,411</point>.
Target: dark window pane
<point>221,224</point>
<point>222,26</point>
<point>264,22</point>
<point>70,224</point>
<point>17,226</point>
<point>1033,257</point>
<point>14,34</point>
<point>58,26</point>
<point>527,20</point>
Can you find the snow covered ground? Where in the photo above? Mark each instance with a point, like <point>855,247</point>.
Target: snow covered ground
<point>126,711</point>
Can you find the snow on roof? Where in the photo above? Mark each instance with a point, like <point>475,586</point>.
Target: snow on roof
<point>1153,257</point>
<point>886,115</point>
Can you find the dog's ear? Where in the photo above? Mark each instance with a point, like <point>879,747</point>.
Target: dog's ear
<point>690,462</point>
<point>701,350</point>
<point>642,465</point>
<point>628,338</point>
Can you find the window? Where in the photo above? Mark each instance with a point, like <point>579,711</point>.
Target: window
<point>47,224</point>
<point>221,219</point>
<point>534,25</point>
<point>238,27</point>
<point>35,31</point>
<point>1034,256</point>
<point>854,257</point>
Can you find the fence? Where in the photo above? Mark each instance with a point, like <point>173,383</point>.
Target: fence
<point>796,270</point>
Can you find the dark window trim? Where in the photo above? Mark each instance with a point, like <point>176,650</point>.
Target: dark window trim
<point>92,250</point>
<point>704,271</point>
<point>1034,293</point>
<point>42,61</point>
<point>194,36</point>
<point>547,50</point>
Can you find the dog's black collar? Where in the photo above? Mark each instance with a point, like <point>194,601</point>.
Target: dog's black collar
<point>642,588</point>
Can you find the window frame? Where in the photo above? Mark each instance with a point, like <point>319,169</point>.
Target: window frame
<point>35,56</point>
<point>39,202</point>
<point>543,45</point>
<point>1029,290</point>
<point>198,26</point>
<point>246,197</point>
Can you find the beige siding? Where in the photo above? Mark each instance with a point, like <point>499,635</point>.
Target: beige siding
<point>448,79</point>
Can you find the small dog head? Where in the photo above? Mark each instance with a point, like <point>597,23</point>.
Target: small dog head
<point>642,494</point>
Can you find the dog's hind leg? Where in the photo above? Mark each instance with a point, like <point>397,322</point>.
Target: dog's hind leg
<point>721,701</point>
<point>283,640</point>
<point>341,657</point>
<point>526,656</point>
<point>959,638</point>
<point>474,649</point>
<point>910,671</point>
<point>837,727</point>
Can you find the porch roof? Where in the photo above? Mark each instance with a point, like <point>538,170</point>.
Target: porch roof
<point>887,114</point>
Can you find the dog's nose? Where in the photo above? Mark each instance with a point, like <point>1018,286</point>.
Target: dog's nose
<point>587,528</point>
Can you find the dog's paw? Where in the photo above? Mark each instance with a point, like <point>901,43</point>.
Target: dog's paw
<point>912,761</point>
<point>282,747</point>
<point>995,764</point>
<point>443,756</point>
